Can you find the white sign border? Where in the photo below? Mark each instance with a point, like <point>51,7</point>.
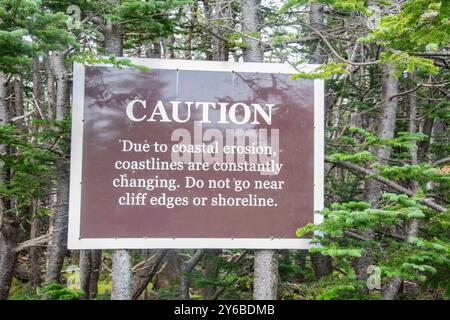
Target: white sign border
<point>74,240</point>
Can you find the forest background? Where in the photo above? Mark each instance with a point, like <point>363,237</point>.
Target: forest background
<point>386,65</point>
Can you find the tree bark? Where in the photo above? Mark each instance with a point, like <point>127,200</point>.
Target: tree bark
<point>58,248</point>
<point>37,82</point>
<point>211,272</point>
<point>265,285</point>
<point>51,96</point>
<point>425,144</point>
<point>9,238</point>
<point>386,130</point>
<point>9,224</point>
<point>35,223</point>
<point>316,20</point>
<point>322,265</point>
<point>18,102</point>
<point>113,35</point>
<point>250,20</point>
<point>90,263</point>
<point>121,275</point>
<point>121,259</point>
<point>153,49</point>
<point>186,269</point>
<point>266,261</point>
<point>35,251</point>
<point>386,126</point>
<point>222,15</point>
<point>395,283</point>
<point>145,273</point>
<point>170,273</point>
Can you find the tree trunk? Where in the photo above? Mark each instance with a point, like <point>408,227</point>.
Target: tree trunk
<point>250,19</point>
<point>90,264</point>
<point>186,269</point>
<point>386,126</point>
<point>9,237</point>
<point>167,44</point>
<point>113,39</point>
<point>222,16</point>
<point>322,265</point>
<point>170,273</point>
<point>121,259</point>
<point>145,273</point>
<point>211,272</point>
<point>9,225</point>
<point>37,82</point>
<point>266,261</point>
<point>58,248</point>
<point>35,223</point>
<point>265,284</point>
<point>51,97</point>
<point>425,144</point>
<point>316,20</point>
<point>385,130</point>
<point>121,275</point>
<point>18,102</point>
<point>393,286</point>
<point>153,49</point>
<point>35,251</point>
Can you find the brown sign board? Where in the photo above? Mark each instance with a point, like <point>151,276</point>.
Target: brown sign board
<point>194,154</point>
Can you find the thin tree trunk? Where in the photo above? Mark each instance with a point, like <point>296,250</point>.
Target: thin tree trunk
<point>322,265</point>
<point>211,272</point>
<point>9,225</point>
<point>34,251</point>
<point>250,19</point>
<point>145,273</point>
<point>190,30</point>
<point>51,97</point>
<point>425,144</point>
<point>4,119</point>
<point>37,82</point>
<point>121,259</point>
<point>265,284</point>
<point>386,125</point>
<point>35,223</point>
<point>222,16</point>
<point>386,130</point>
<point>18,102</point>
<point>316,20</point>
<point>9,237</point>
<point>113,39</point>
<point>413,227</point>
<point>395,283</point>
<point>96,263</point>
<point>121,275</point>
<point>266,261</point>
<point>167,45</point>
<point>85,272</point>
<point>170,273</point>
<point>186,270</point>
<point>153,49</point>
<point>58,249</point>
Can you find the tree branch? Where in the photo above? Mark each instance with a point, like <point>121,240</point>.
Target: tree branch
<point>392,184</point>
<point>33,242</point>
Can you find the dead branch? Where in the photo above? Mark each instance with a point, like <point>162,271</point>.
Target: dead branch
<point>392,184</point>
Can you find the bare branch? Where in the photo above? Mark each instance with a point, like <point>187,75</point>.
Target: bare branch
<point>394,185</point>
<point>33,242</point>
